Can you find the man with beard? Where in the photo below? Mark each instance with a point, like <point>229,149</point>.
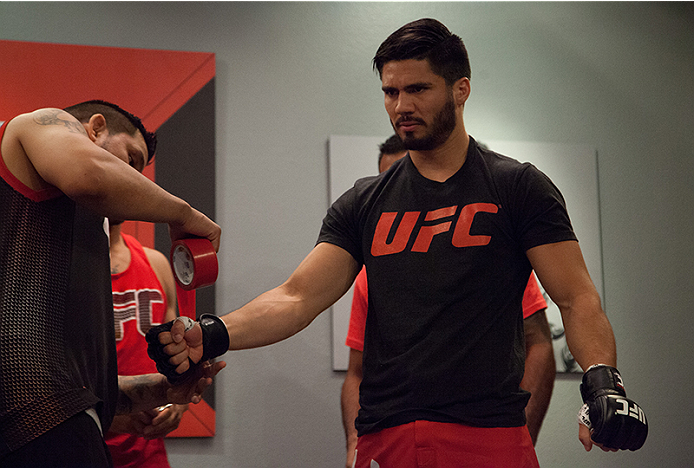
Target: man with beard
<point>449,236</point>
<point>61,173</point>
<point>538,377</point>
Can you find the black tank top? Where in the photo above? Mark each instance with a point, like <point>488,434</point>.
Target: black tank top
<point>57,347</point>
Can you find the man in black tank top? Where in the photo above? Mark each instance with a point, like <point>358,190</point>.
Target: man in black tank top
<point>61,173</point>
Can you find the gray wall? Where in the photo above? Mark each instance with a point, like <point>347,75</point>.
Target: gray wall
<point>614,75</point>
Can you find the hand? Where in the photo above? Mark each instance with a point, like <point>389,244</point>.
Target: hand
<point>608,418</point>
<point>163,420</point>
<point>190,389</point>
<point>177,346</point>
<point>133,423</point>
<point>584,436</point>
<point>197,225</point>
<point>351,447</point>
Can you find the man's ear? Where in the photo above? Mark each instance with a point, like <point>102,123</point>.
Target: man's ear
<point>461,91</point>
<point>96,126</point>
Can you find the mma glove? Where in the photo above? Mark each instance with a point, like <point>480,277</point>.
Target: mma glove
<point>615,421</point>
<point>215,342</point>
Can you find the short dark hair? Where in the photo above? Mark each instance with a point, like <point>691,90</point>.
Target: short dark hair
<point>392,145</point>
<point>118,120</point>
<point>426,39</point>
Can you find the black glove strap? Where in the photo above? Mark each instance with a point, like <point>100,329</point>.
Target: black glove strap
<point>601,380</point>
<point>215,338</point>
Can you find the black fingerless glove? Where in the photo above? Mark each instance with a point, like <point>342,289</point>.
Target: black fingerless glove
<point>155,350</point>
<point>616,421</point>
<point>215,342</point>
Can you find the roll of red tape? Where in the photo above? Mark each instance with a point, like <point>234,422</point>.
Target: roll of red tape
<point>194,263</point>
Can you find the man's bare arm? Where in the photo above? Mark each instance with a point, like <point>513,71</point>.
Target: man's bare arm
<point>349,400</point>
<point>562,271</point>
<point>321,279</point>
<point>540,370</point>
<point>143,392</point>
<point>46,147</point>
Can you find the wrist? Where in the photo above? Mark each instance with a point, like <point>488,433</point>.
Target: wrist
<point>601,379</point>
<point>215,337</point>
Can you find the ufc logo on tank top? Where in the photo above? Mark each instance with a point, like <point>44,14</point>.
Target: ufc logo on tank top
<point>134,305</point>
<point>435,222</point>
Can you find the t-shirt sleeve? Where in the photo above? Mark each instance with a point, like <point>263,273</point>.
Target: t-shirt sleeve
<point>341,227</point>
<point>539,210</point>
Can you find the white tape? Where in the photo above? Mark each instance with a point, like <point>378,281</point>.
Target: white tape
<point>584,416</point>
<point>187,321</point>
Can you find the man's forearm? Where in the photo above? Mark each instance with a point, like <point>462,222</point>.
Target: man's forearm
<point>115,190</point>
<point>141,392</point>
<point>271,317</point>
<point>319,281</point>
<point>350,402</point>
<point>589,334</point>
<point>539,381</point>
<point>60,150</point>
<point>540,371</point>
<point>350,409</point>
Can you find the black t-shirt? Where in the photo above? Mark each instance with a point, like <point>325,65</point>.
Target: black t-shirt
<point>447,270</point>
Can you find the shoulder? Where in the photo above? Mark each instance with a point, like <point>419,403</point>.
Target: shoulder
<point>43,117</point>
<point>511,174</point>
<point>157,259</point>
<point>13,129</point>
<point>18,134</point>
<point>501,164</point>
<point>162,269</point>
<point>350,202</point>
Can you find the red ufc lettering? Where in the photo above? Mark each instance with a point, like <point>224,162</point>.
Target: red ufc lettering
<point>427,233</point>
<point>461,234</point>
<point>380,245</point>
<point>134,305</point>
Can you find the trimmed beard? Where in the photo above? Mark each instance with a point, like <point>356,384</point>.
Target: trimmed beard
<point>441,128</point>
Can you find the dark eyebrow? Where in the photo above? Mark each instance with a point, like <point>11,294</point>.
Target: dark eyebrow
<point>409,87</point>
<point>423,85</point>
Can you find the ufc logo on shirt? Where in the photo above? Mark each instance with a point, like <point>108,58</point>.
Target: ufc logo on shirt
<point>435,222</point>
<point>134,305</point>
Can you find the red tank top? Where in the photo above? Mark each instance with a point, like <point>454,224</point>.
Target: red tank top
<point>139,303</point>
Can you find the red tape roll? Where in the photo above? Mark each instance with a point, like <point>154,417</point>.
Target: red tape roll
<point>194,263</point>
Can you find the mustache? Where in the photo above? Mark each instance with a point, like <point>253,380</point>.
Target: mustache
<point>408,118</point>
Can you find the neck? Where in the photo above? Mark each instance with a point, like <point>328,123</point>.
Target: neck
<point>114,235</point>
<point>120,254</point>
<point>443,161</point>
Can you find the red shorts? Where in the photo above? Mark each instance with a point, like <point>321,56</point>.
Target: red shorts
<point>429,444</point>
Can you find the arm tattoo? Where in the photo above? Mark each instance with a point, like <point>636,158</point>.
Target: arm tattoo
<point>139,391</point>
<point>52,117</point>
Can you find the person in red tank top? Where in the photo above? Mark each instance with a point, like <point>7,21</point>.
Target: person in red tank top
<point>144,295</point>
